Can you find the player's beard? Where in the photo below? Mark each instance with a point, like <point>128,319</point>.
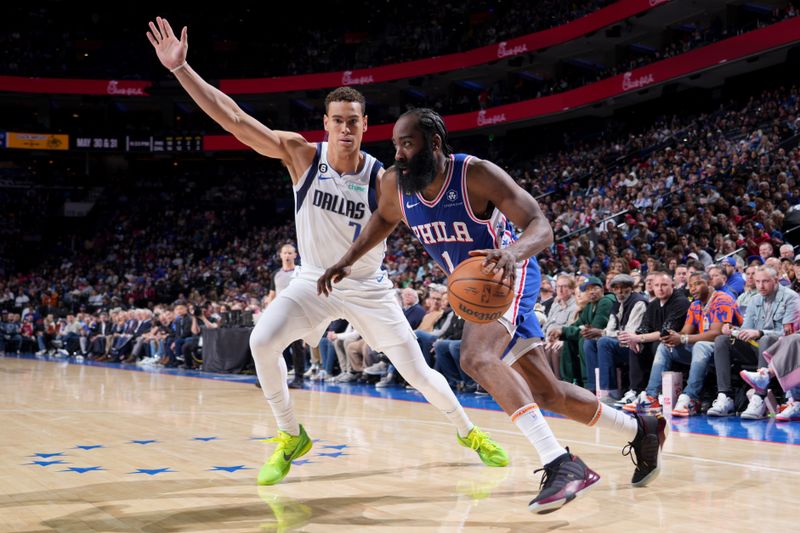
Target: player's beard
<point>421,171</point>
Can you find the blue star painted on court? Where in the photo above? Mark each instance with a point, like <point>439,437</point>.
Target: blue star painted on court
<point>88,447</point>
<point>301,462</point>
<point>82,470</point>
<point>332,454</point>
<point>142,442</point>
<point>260,438</point>
<point>337,446</point>
<point>47,455</point>
<point>229,468</point>
<point>152,471</point>
<point>48,463</point>
<point>205,439</point>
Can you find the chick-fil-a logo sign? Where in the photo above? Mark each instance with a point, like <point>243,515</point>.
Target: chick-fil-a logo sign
<point>485,119</point>
<point>115,88</point>
<point>629,82</point>
<point>504,51</point>
<point>348,79</point>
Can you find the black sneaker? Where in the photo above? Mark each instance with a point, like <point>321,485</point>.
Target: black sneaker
<point>564,479</point>
<point>646,448</point>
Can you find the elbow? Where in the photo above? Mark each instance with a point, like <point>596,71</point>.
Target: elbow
<point>547,235</point>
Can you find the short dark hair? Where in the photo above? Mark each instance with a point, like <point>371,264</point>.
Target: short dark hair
<point>346,94</point>
<point>430,122</point>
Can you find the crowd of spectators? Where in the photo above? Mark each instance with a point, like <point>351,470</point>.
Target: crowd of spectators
<point>702,196</point>
<point>57,41</point>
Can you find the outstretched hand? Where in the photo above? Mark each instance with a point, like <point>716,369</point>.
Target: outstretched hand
<point>334,274</point>
<point>170,50</point>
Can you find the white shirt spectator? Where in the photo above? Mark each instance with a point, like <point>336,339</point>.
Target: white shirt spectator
<point>21,300</point>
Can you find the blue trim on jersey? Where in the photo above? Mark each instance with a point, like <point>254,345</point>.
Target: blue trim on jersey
<point>300,195</point>
<point>373,178</point>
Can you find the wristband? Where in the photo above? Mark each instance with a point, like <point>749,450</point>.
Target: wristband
<point>684,339</point>
<point>174,70</point>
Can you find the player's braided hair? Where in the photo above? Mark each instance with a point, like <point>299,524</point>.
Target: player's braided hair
<point>431,122</point>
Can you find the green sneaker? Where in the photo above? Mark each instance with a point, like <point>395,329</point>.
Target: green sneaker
<point>289,448</point>
<point>488,450</point>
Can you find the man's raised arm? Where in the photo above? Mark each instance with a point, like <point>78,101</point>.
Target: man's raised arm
<point>290,147</point>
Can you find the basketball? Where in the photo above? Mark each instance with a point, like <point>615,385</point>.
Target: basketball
<point>478,297</point>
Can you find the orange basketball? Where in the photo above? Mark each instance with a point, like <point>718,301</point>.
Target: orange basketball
<point>478,297</point>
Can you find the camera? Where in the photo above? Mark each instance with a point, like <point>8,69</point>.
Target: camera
<point>198,311</point>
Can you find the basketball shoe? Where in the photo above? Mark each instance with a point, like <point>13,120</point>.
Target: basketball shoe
<point>564,479</point>
<point>289,448</point>
<point>759,379</point>
<point>643,404</point>
<point>488,450</point>
<point>645,449</point>
<point>790,414</point>
<point>685,406</point>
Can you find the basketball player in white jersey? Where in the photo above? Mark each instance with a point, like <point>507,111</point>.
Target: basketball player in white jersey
<point>335,195</point>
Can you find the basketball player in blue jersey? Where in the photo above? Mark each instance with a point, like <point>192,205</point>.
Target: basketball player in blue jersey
<point>460,206</point>
<point>335,196</point>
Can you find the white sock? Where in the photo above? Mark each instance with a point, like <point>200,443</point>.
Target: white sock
<point>619,421</point>
<point>531,422</point>
<point>281,404</point>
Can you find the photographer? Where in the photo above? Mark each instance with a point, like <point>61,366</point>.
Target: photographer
<point>201,319</point>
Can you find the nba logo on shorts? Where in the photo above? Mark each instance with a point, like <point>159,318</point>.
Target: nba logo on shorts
<point>323,168</point>
<point>452,195</point>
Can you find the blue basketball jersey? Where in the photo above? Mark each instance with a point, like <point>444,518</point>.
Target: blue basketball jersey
<point>448,230</point>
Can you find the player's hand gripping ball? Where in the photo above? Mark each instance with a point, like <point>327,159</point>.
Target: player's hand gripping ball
<point>478,297</point>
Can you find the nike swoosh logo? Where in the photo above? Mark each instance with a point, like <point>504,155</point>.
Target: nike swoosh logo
<point>409,206</point>
<point>326,177</point>
<point>287,457</point>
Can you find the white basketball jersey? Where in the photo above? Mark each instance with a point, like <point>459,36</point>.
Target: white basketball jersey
<point>332,209</point>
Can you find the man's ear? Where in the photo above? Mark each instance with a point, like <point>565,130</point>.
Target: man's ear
<point>436,142</point>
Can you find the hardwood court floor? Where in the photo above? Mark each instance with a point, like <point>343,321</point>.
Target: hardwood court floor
<point>98,448</point>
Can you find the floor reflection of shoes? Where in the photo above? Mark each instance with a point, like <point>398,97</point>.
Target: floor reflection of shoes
<point>288,514</point>
<point>482,486</point>
<point>722,426</point>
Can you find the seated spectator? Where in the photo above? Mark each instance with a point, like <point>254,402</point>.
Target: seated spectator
<point>694,345</point>
<point>750,289</point>
<point>666,312</point>
<point>719,280</point>
<point>608,352</point>
<point>769,317</point>
<point>563,311</point>
<point>426,339</point>
<point>735,282</point>
<point>589,326</point>
<point>448,357</point>
<point>327,351</point>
